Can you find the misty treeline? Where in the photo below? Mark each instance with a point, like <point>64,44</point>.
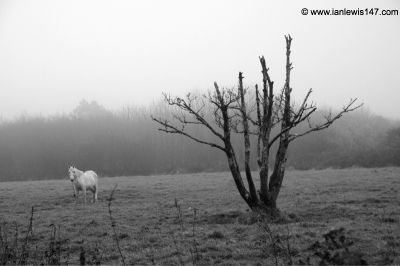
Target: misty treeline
<point>127,142</point>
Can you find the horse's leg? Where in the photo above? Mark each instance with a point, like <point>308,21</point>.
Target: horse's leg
<point>77,196</point>
<point>95,194</point>
<point>73,187</point>
<point>84,193</point>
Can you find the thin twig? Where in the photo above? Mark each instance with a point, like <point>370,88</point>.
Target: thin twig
<point>289,249</point>
<point>196,252</point>
<point>113,224</point>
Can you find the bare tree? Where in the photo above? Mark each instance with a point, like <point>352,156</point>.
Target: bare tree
<point>231,114</point>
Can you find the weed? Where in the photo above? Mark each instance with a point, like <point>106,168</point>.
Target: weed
<point>334,250</point>
<point>113,225</point>
<point>216,235</point>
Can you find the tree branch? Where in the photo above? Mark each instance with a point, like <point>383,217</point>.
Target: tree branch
<point>329,119</point>
<point>187,106</point>
<point>259,127</point>
<point>168,128</point>
<point>246,137</point>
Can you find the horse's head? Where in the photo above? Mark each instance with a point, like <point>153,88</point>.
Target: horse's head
<point>72,173</point>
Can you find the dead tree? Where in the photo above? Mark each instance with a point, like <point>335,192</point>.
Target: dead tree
<point>231,114</point>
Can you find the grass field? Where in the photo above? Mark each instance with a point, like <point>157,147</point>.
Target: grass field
<point>215,225</point>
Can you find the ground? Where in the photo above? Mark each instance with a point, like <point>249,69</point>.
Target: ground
<point>145,210</point>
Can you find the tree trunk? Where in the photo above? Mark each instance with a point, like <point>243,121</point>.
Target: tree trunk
<point>235,171</point>
<point>276,178</point>
<point>267,207</point>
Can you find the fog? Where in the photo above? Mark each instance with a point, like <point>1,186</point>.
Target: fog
<point>128,143</point>
<point>124,53</point>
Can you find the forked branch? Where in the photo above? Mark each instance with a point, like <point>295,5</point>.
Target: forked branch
<point>188,106</point>
<point>169,128</point>
<point>329,119</point>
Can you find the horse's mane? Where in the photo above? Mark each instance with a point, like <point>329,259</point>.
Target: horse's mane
<point>75,170</point>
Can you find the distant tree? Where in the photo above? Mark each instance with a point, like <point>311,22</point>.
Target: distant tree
<point>90,110</point>
<point>231,114</point>
<point>391,146</point>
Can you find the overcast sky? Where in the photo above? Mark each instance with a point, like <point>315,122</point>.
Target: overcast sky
<point>55,53</point>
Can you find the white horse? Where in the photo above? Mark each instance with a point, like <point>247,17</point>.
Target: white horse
<point>83,181</point>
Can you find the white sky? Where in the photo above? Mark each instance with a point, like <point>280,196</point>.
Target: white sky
<point>55,53</point>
